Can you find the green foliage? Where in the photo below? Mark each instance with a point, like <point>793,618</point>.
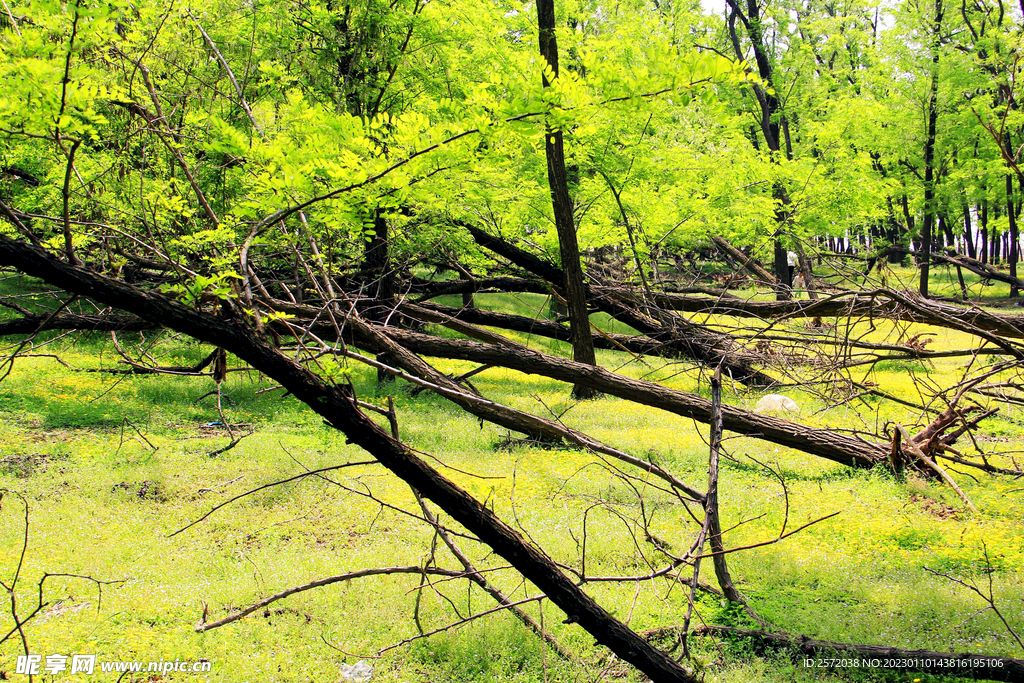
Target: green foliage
<point>143,147</point>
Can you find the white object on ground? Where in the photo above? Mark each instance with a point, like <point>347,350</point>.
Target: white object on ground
<point>360,672</point>
<point>777,403</point>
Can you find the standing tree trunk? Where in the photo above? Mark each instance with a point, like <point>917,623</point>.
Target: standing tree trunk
<point>774,126</point>
<point>565,223</point>
<point>968,231</point>
<point>784,283</point>
<point>983,229</point>
<point>377,262</point>
<point>1011,253</point>
<point>929,155</point>
<point>995,237</point>
<point>714,522</point>
<point>946,228</point>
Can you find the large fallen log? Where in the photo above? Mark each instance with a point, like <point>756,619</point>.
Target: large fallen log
<point>338,407</point>
<point>826,654</point>
<point>877,303</point>
<point>848,450</point>
<point>685,337</point>
<point>637,344</point>
<point>933,436</point>
<point>984,270</point>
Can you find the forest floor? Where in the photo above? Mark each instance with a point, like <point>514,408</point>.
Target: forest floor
<point>111,466</point>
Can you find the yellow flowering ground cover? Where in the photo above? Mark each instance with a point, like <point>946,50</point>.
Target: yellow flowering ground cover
<point>111,466</point>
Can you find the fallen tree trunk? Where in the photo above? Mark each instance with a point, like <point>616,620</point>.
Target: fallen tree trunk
<point>983,270</point>
<point>878,303</point>
<point>850,451</point>
<point>427,289</point>
<point>876,657</point>
<point>742,260</point>
<point>637,344</point>
<point>376,341</point>
<point>685,337</point>
<point>335,405</point>
<point>840,448</point>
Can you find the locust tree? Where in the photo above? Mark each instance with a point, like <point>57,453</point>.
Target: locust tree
<point>169,168</point>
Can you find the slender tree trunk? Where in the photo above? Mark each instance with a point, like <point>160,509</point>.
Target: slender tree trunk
<point>565,223</point>
<point>784,283</point>
<point>929,156</point>
<point>983,229</point>
<point>950,239</point>
<point>968,232</point>
<point>892,234</point>
<point>714,522</point>
<point>774,126</point>
<point>924,257</point>
<point>996,236</point>
<point>1013,237</point>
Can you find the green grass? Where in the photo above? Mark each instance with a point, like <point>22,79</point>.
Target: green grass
<point>104,501</point>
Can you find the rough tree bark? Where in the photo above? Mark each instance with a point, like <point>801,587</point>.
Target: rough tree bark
<point>742,260</point>
<point>565,221</point>
<point>850,451</point>
<point>929,156</point>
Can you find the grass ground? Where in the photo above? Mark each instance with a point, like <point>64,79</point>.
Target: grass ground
<point>111,466</point>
